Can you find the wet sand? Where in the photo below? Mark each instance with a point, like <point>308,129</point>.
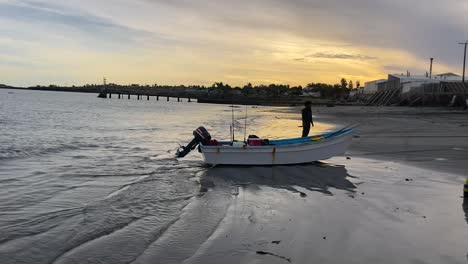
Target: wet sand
<point>434,138</point>
<point>395,197</point>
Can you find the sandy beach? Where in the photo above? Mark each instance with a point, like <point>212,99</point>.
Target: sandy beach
<point>395,197</point>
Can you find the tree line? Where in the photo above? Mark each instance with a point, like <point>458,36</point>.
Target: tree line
<point>334,90</point>
<point>220,89</point>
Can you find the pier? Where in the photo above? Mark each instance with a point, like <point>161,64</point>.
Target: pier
<point>180,97</point>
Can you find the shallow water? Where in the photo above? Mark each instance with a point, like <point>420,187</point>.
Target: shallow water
<point>86,179</point>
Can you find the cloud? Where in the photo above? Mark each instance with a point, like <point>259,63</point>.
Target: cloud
<point>394,68</point>
<point>51,19</point>
<point>182,40</point>
<point>420,27</point>
<point>343,56</point>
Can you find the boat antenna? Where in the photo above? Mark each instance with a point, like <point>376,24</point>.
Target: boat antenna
<point>232,108</point>
<point>245,124</point>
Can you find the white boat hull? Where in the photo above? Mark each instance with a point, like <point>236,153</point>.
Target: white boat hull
<point>277,155</point>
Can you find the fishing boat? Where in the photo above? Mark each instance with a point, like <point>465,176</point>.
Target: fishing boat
<point>256,151</point>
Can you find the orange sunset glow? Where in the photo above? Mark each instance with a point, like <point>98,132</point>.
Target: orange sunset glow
<point>236,42</point>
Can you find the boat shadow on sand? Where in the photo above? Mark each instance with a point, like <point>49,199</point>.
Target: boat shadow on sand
<point>317,177</point>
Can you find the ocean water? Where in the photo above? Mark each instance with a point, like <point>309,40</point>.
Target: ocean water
<point>88,180</point>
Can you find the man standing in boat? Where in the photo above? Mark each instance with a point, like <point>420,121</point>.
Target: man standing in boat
<point>307,118</point>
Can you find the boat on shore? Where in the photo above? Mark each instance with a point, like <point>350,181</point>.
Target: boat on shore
<point>255,151</point>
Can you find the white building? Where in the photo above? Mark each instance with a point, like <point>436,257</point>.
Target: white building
<point>307,92</point>
<point>373,86</point>
<point>408,83</point>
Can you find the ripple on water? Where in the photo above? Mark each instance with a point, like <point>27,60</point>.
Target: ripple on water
<point>84,178</point>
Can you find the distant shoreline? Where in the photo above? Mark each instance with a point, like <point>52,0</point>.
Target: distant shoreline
<point>200,99</point>
<point>55,89</point>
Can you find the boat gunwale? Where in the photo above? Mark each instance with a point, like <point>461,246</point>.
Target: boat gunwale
<point>283,146</point>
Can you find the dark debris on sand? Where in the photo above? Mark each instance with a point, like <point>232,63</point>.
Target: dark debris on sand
<point>272,254</point>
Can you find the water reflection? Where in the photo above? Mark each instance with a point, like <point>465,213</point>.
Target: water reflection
<point>288,126</point>
<point>317,177</point>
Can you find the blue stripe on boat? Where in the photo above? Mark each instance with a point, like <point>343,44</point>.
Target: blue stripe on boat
<point>300,140</point>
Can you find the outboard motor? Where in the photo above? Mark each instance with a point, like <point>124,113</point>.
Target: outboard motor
<point>201,135</point>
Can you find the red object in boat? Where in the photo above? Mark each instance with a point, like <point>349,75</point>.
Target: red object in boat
<point>212,142</point>
<point>255,142</point>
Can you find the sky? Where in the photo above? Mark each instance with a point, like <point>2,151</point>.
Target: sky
<point>74,42</point>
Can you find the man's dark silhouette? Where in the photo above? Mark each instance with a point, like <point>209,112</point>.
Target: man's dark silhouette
<point>307,118</point>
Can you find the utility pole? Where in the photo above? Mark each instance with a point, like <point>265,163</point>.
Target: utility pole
<point>430,70</point>
<point>464,60</point>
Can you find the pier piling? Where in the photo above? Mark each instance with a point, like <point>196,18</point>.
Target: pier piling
<point>119,95</point>
<point>157,97</point>
<point>128,96</point>
<point>168,98</point>
<point>147,97</point>
<point>110,95</point>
